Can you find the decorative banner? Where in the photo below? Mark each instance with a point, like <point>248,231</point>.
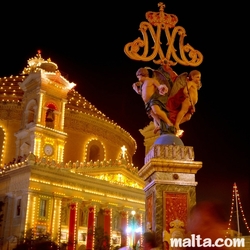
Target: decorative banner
<point>72,223</point>
<point>175,216</point>
<point>149,209</point>
<point>175,208</point>
<point>123,226</point>
<point>107,222</point>
<point>90,232</point>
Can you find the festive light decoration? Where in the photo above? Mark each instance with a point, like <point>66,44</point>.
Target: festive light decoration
<point>59,222</point>
<point>41,96</point>
<point>236,204</point>
<point>124,149</point>
<point>11,92</point>
<point>27,217</point>
<point>11,95</point>
<point>87,147</point>
<point>33,212</point>
<point>75,225</point>
<point>77,103</point>
<point>60,153</point>
<point>37,144</point>
<point>3,145</point>
<point>63,113</point>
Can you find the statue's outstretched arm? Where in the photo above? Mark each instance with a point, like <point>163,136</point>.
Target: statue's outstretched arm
<point>137,87</point>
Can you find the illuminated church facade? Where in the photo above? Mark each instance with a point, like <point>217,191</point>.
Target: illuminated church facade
<point>66,169</point>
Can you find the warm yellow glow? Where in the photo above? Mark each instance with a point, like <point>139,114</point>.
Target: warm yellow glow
<point>87,145</point>
<point>3,145</point>
<point>124,149</point>
<point>34,188</point>
<point>75,227</point>
<point>54,212</point>
<point>94,225</point>
<point>59,154</point>
<point>113,204</point>
<point>37,146</point>
<point>27,216</point>
<point>40,107</point>
<point>40,181</point>
<point>63,114</point>
<point>97,201</point>
<point>66,186</point>
<point>55,184</point>
<point>235,205</point>
<point>33,213</point>
<point>59,221</point>
<point>61,194</point>
<point>47,128</point>
<point>94,192</point>
<point>127,225</point>
<point>116,178</point>
<point>136,201</point>
<point>116,197</point>
<point>111,226</point>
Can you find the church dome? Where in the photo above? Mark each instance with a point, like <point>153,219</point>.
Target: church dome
<point>10,92</point>
<point>83,122</point>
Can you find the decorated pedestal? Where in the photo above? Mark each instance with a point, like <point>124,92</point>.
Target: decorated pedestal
<point>170,187</point>
<point>169,167</point>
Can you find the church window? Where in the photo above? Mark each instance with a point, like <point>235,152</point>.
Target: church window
<point>43,208</point>
<point>50,116</point>
<point>95,151</point>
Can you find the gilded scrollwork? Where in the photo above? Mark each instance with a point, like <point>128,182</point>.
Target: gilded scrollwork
<point>158,24</point>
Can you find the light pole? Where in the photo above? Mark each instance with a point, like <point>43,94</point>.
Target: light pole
<point>133,229</point>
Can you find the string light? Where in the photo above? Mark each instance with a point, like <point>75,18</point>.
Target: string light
<point>3,144</point>
<point>236,202</point>
<point>27,216</point>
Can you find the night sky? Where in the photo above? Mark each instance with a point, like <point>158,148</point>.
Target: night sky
<point>86,40</point>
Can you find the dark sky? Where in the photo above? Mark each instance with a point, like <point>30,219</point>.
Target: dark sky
<point>86,40</point>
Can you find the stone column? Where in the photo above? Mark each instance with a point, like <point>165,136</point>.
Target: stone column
<point>170,189</point>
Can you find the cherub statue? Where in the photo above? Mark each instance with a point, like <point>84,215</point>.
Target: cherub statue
<point>154,95</point>
<point>182,94</point>
<point>183,98</point>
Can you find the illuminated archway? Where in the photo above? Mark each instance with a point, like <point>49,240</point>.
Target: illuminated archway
<point>95,151</point>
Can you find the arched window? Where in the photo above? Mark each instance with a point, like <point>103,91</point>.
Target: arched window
<point>50,116</point>
<point>95,151</point>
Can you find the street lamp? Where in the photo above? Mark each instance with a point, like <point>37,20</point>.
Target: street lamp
<point>133,229</point>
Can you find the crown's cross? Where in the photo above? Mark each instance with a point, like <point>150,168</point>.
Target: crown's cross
<point>162,6</point>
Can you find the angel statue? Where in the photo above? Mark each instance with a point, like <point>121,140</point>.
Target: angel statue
<point>154,95</point>
<point>180,97</point>
<point>183,98</point>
